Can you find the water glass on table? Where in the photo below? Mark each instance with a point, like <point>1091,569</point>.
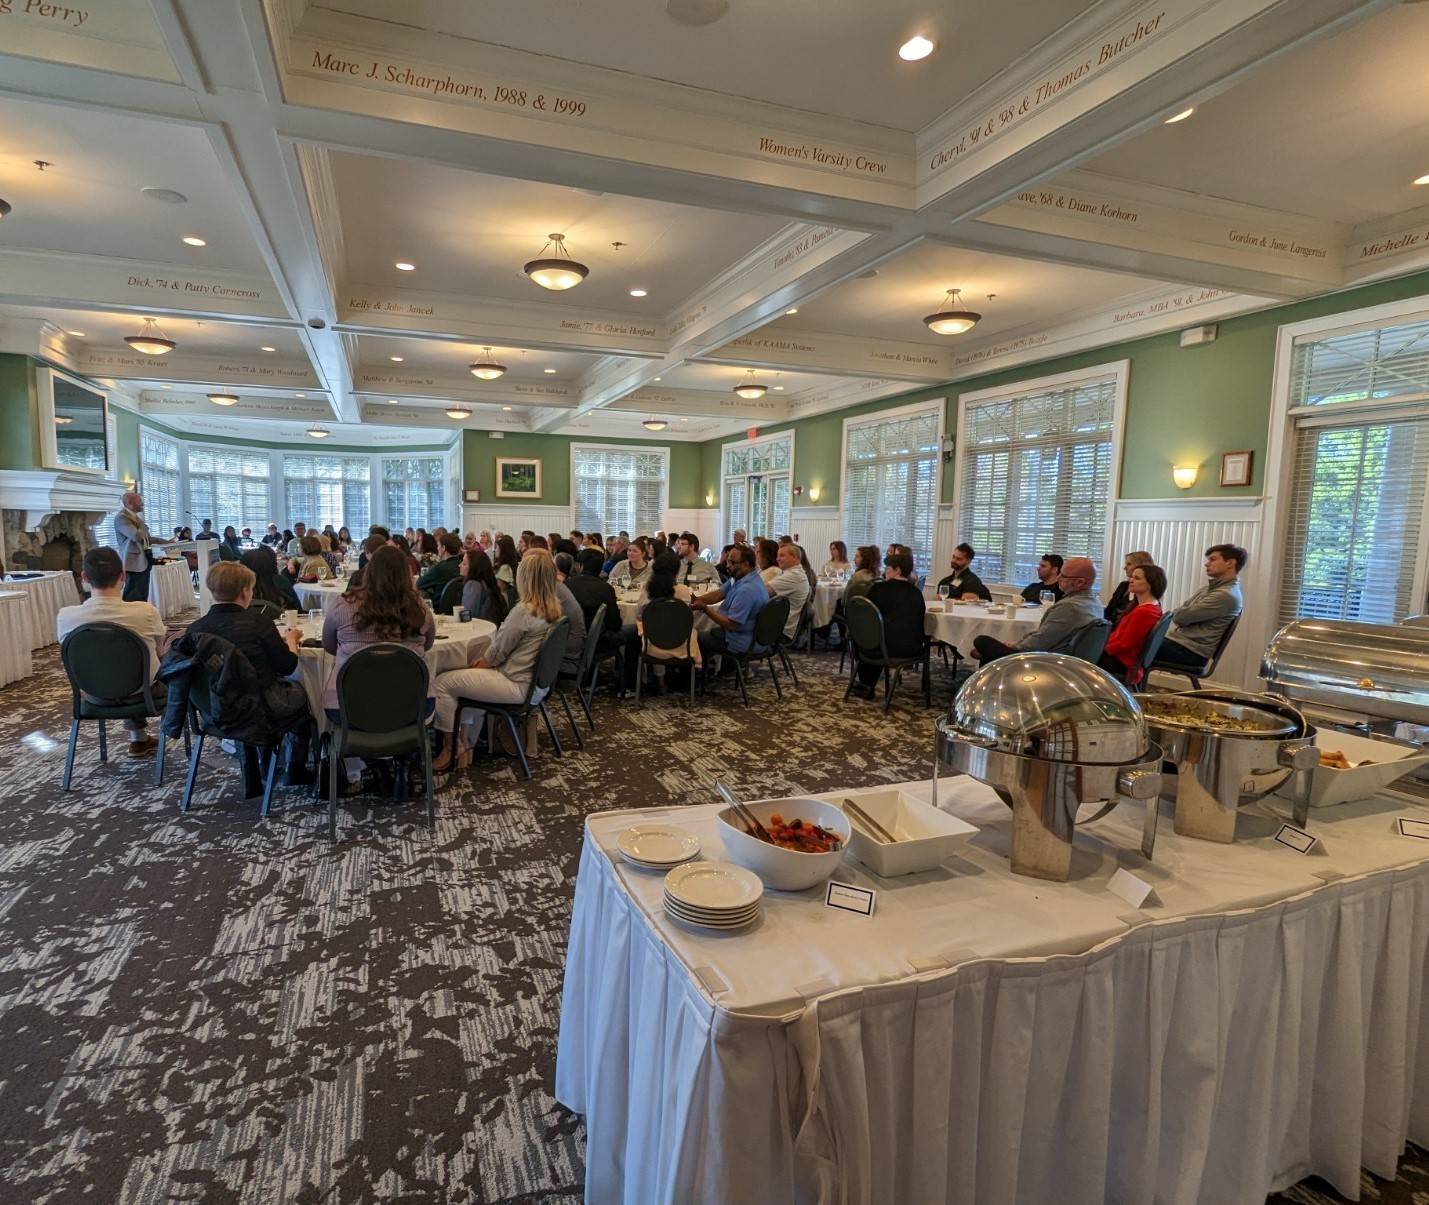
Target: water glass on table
<point>1046,597</point>
<point>944,590</point>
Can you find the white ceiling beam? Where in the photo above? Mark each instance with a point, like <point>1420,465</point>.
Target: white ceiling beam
<point>779,350</point>
<point>313,410</point>
<point>1388,246</point>
<point>215,371</point>
<point>659,402</point>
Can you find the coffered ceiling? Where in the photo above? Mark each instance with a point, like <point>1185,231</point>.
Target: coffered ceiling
<point>773,159</point>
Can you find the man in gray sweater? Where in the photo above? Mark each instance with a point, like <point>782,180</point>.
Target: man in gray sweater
<point>1064,619</point>
<point>1202,619</point>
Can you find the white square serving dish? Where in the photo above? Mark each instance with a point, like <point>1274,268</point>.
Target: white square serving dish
<point>1391,760</point>
<point>926,837</point>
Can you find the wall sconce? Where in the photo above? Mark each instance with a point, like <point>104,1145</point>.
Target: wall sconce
<point>814,493</point>
<point>948,448</point>
<point>709,499</point>
<point>1184,476</point>
<point>798,491</point>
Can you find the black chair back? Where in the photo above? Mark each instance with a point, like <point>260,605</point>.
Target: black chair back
<point>548,661</point>
<point>1221,645</point>
<point>769,623</point>
<point>106,661</point>
<point>865,629</point>
<point>1153,643</point>
<point>592,641</point>
<point>383,688</point>
<point>1090,642</point>
<point>266,607</point>
<point>668,624</point>
<point>450,597</point>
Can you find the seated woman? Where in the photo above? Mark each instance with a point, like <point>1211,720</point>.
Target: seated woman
<point>1121,601</point>
<point>228,547</point>
<point>1145,586</point>
<point>270,586</point>
<point>399,542</point>
<point>310,565</point>
<point>425,547</point>
<point>502,674</point>
<point>507,559</point>
<point>901,604</point>
<point>838,560</point>
<point>481,594</point>
<point>765,553</point>
<point>344,539</point>
<point>383,608</point>
<point>867,561</point>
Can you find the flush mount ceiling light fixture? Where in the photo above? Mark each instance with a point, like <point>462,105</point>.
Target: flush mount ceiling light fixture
<point>915,48</point>
<point>403,266</point>
<point>223,399</point>
<point>639,292</point>
<point>167,195</point>
<point>319,432</point>
<point>150,340</point>
<point>655,424</point>
<point>458,412</point>
<point>1181,116</point>
<point>557,271</point>
<point>1424,179</point>
<point>487,369</point>
<point>952,319</point>
<point>751,389</point>
<point>193,240</point>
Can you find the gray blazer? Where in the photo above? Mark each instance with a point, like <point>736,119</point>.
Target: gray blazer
<point>1064,619</point>
<point>131,533</point>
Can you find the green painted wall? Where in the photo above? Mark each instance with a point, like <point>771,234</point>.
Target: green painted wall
<point>1184,405</point>
<point>18,428</point>
<point>479,453</point>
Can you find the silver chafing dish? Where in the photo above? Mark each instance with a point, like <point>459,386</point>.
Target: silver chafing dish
<point>1227,748</point>
<point>1051,733</point>
<point>1366,677</point>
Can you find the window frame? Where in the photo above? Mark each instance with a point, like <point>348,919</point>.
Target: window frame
<point>373,481</point>
<point>662,450</point>
<point>165,531</point>
<point>791,436</point>
<point>1117,371</point>
<point>874,417</point>
<point>186,489</point>
<point>379,478</point>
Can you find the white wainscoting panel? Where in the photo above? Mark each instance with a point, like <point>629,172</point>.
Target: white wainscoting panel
<point>513,519</point>
<point>816,527</point>
<point>1177,533</point>
<point>703,521</point>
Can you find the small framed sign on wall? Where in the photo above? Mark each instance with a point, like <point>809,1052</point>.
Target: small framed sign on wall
<point>471,495</point>
<point>1235,468</point>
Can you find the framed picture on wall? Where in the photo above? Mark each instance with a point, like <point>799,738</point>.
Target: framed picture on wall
<point>471,495</point>
<point>518,477</point>
<point>1235,468</point>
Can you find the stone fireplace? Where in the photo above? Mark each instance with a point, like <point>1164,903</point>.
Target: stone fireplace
<point>47,518</point>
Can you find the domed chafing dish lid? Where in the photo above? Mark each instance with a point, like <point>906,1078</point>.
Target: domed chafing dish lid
<point>1051,706</point>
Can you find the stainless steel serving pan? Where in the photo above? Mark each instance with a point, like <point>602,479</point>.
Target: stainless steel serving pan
<point>1369,669</point>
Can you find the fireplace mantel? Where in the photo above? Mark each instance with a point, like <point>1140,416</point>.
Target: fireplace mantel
<point>41,492</point>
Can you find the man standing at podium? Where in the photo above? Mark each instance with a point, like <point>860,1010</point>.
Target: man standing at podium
<point>132,535</point>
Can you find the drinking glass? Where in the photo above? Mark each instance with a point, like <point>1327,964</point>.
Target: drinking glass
<point>1046,598</point>
<point>943,591</point>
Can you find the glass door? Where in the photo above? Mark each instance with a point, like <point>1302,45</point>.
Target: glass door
<point>758,487</point>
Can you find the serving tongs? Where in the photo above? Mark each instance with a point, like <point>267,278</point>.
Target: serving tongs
<point>869,824</point>
<point>751,823</point>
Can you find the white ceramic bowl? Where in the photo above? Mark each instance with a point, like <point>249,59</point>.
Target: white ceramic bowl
<point>779,868</point>
<point>1389,760</point>
<point>926,837</point>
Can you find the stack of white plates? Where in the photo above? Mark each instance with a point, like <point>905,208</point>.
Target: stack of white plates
<point>713,895</point>
<point>657,846</point>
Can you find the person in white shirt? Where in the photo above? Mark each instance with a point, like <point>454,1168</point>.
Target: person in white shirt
<point>693,571</point>
<point>103,573</point>
<point>791,582</point>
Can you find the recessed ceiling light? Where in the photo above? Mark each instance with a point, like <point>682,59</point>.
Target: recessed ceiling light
<point>558,272</point>
<point>165,386</point>
<point>167,195</point>
<point>223,399</point>
<point>193,240</point>
<point>684,420</point>
<point>638,293</point>
<point>550,372</point>
<point>1181,116</point>
<point>1422,180</point>
<point>395,359</point>
<point>302,395</point>
<point>915,48</point>
<point>265,347</point>
<point>76,334</point>
<point>403,266</point>
<point>657,380</point>
<point>506,407</point>
<point>795,310</point>
<point>778,388</point>
<point>391,401</point>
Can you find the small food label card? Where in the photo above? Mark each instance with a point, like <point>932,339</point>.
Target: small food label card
<point>850,899</point>
<point>1298,840</point>
<point>1135,891</point>
<point>1413,828</point>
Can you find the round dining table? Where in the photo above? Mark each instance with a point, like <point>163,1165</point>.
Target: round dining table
<point>171,587</point>
<point>456,645</point>
<point>45,593</point>
<point>959,624</point>
<point>14,643</point>
<point>826,601</point>
<point>319,596</point>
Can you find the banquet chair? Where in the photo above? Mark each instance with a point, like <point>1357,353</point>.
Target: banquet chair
<point>865,627</point>
<point>382,708</point>
<point>763,646</point>
<point>1196,673</point>
<point>548,668</point>
<point>1150,649</point>
<point>805,631</point>
<point>266,607</point>
<point>589,654</point>
<point>450,597</point>
<point>1089,643</point>
<point>107,667</point>
<point>667,625</point>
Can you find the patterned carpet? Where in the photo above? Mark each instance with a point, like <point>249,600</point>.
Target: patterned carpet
<point>201,1008</point>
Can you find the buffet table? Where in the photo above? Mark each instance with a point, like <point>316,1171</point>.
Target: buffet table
<point>14,643</point>
<point>961,623</point>
<point>171,588</point>
<point>985,1037</point>
<point>452,650</point>
<point>44,596</point>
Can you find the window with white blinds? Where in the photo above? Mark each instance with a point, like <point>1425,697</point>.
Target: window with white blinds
<point>159,483</point>
<point>1036,475</point>
<point>619,489</point>
<point>318,490</point>
<point>890,484</point>
<point>229,486</point>
<point>1355,529</point>
<point>414,491</point>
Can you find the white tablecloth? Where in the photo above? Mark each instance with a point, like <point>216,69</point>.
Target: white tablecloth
<point>171,588</point>
<point>990,1038</point>
<point>826,599</point>
<point>963,622</point>
<point>44,596</point>
<point>14,643</point>
<point>319,596</point>
<point>451,651</point>
<point>628,604</point>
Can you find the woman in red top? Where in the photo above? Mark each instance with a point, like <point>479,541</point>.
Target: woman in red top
<point>1145,587</point>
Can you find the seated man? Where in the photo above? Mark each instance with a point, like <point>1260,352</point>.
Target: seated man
<point>962,582</point>
<point>103,574</point>
<point>295,545</point>
<point>1049,569</point>
<point>1203,618</point>
<point>434,580</point>
<point>571,609</point>
<point>790,582</point>
<point>693,571</point>
<point>1062,620</point>
<point>744,596</point>
<point>273,658</point>
<point>591,590</point>
<point>273,537</point>
<point>901,604</point>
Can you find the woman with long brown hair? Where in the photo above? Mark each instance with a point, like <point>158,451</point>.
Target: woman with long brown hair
<point>481,593</point>
<point>384,608</point>
<point>507,559</point>
<point>502,674</point>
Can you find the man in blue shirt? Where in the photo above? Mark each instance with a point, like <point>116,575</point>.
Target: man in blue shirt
<point>744,596</point>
